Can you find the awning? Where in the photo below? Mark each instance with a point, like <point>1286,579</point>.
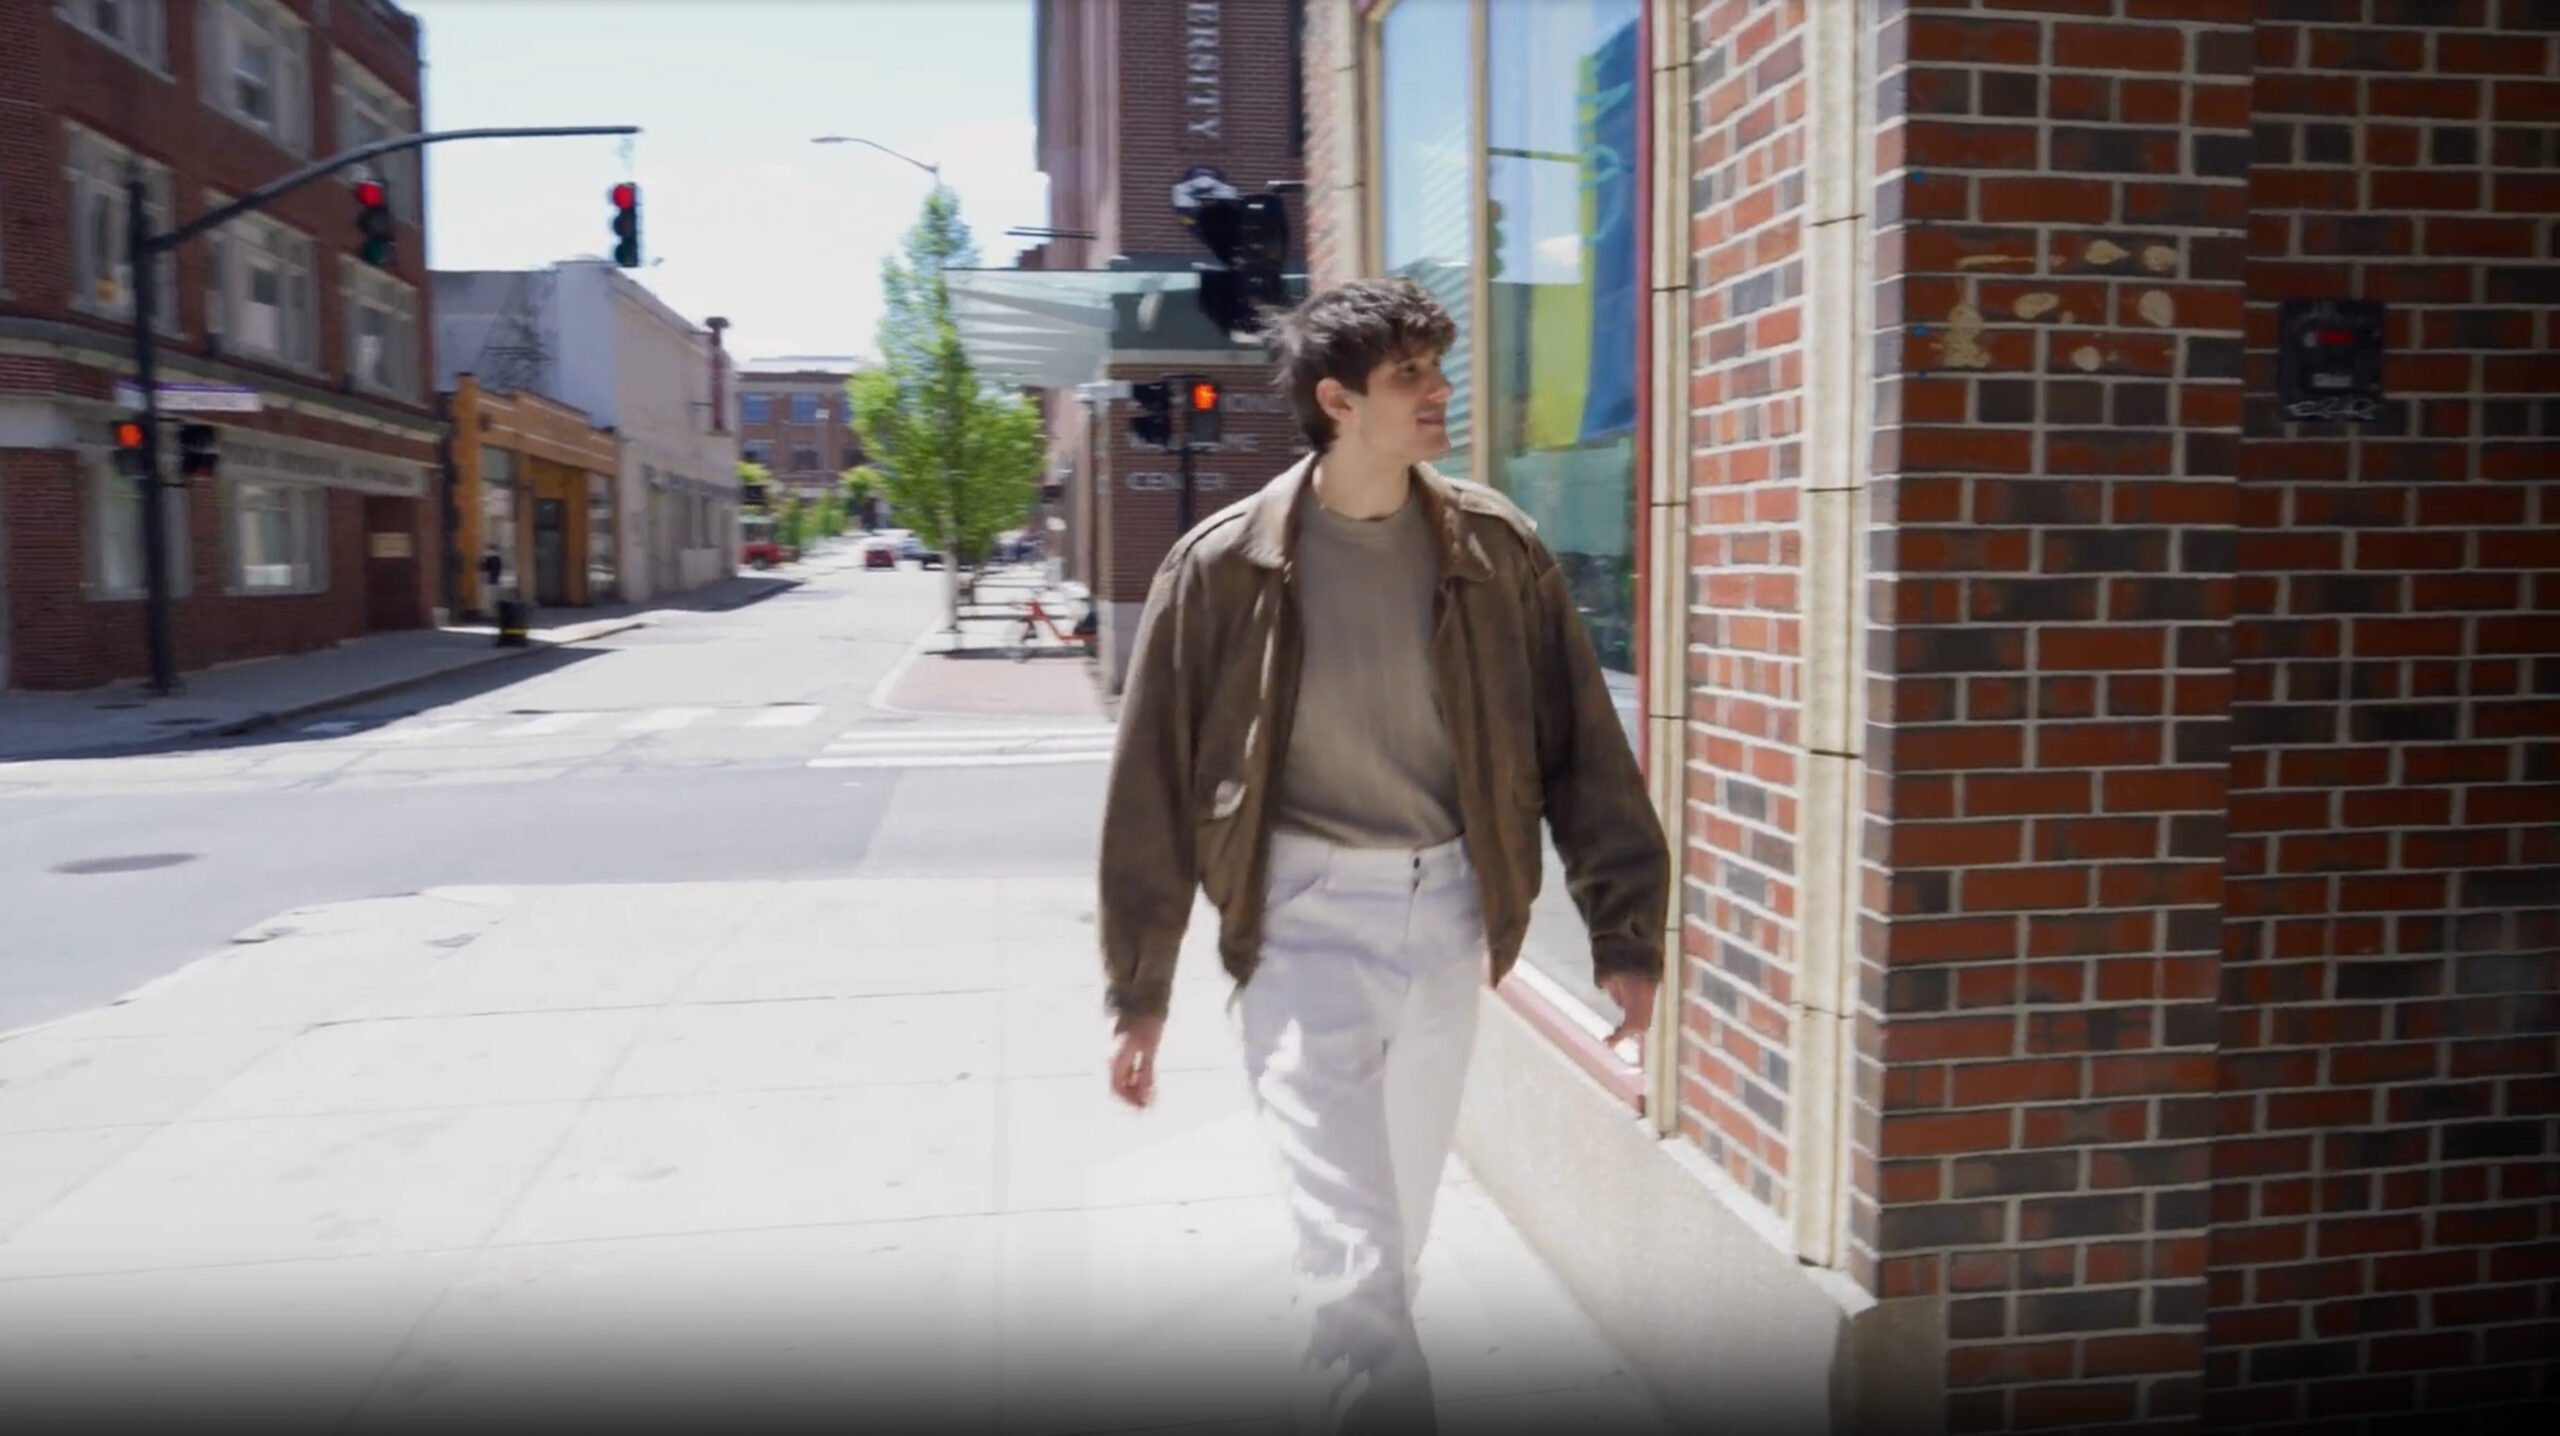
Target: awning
<point>1047,328</point>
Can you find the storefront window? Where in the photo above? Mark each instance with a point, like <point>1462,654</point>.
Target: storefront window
<point>600,548</point>
<point>498,516</point>
<point>1426,143</point>
<point>1560,333</point>
<point>1550,359</point>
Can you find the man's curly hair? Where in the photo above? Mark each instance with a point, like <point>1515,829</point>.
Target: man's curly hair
<point>1344,334</point>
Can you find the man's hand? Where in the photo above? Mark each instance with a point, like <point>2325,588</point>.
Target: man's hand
<point>1133,1059</point>
<point>1634,996</point>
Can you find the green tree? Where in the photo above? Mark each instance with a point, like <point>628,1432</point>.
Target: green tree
<point>958,458</point>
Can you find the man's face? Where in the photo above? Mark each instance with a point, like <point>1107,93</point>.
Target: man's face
<point>1404,416</point>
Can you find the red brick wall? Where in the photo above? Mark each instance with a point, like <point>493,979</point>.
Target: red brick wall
<point>1739,902</point>
<point>2383,1175</point>
<point>2060,210</point>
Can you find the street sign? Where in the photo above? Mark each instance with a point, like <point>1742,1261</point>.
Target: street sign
<point>193,398</point>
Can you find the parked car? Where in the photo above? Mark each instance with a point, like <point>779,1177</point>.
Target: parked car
<point>879,553</point>
<point>757,547</point>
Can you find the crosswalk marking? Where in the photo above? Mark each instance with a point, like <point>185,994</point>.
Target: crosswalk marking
<point>664,720</point>
<point>966,748</point>
<point>786,715</point>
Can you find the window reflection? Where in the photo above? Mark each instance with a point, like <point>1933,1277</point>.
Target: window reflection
<point>1425,142</point>
<point>1560,173</point>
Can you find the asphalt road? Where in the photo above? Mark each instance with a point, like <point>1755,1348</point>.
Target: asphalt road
<point>685,751</point>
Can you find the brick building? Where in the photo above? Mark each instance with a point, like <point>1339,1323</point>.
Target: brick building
<point>795,423</point>
<point>2118,816</point>
<point>321,525</point>
<point>1136,98</point>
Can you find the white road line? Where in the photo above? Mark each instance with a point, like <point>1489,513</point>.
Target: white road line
<point>664,720</point>
<point>789,715</point>
<point>547,723</point>
<point>332,728</point>
<point>969,760</point>
<point>962,747</point>
<point>421,732</point>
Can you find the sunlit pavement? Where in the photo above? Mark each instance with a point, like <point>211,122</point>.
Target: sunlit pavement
<point>735,1154</point>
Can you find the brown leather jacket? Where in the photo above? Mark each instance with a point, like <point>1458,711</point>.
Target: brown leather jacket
<point>1205,715</point>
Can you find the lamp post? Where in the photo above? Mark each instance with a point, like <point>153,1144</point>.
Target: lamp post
<point>951,517</point>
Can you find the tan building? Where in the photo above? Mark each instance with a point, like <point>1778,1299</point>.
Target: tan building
<point>529,482</point>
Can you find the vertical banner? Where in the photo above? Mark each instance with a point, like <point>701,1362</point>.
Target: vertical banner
<point>1610,179</point>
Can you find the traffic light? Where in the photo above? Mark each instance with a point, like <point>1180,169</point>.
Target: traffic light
<point>626,225</point>
<point>196,456</point>
<point>1153,423</point>
<point>1200,423</point>
<point>132,458</point>
<point>1249,238</point>
<point>373,223</point>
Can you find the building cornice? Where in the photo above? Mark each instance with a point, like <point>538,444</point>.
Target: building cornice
<point>24,338</point>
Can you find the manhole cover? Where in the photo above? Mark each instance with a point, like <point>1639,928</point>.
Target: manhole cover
<point>129,863</point>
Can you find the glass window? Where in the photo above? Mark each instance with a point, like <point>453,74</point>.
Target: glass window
<point>1426,142</point>
<point>804,459</point>
<point>601,578</point>
<point>498,510</point>
<point>137,28</point>
<point>382,331</point>
<point>100,277</point>
<point>115,546</point>
<point>252,54</point>
<point>804,408</point>
<point>1559,334</point>
<point>279,538</point>
<point>755,408</point>
<point>759,452</point>
<point>260,300</point>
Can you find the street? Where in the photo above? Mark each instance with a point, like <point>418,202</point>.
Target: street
<point>671,1031</point>
<point>678,752</point>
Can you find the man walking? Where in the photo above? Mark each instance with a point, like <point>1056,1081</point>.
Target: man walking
<point>1353,698</point>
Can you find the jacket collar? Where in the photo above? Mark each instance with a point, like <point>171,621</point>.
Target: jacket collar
<point>1272,517</point>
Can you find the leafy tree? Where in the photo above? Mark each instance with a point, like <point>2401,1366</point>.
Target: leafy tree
<point>958,458</point>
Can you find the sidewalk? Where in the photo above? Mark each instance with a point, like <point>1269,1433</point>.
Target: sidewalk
<point>688,1156</point>
<point>243,697</point>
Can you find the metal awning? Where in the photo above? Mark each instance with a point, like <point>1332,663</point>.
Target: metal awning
<point>1047,328</point>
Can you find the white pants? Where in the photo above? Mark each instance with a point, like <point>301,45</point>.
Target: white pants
<point>1357,1026</point>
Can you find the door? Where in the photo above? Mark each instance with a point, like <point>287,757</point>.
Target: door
<point>550,553</point>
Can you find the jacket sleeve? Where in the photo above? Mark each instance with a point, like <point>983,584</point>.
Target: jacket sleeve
<point>1150,871</point>
<point>1616,865</point>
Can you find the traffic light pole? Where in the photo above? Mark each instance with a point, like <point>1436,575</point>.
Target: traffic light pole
<point>1182,513</point>
<point>142,249</point>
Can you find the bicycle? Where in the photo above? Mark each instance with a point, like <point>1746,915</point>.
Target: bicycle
<point>1037,616</point>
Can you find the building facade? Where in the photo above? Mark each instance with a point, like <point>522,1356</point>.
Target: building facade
<point>529,482</point>
<point>1140,103</point>
<point>320,525</point>
<point>795,423</point>
<point>2117,810</point>
<point>585,334</point>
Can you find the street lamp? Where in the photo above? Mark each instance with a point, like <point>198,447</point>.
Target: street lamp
<point>931,169</point>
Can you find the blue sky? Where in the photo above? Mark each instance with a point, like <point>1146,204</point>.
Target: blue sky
<point>740,215</point>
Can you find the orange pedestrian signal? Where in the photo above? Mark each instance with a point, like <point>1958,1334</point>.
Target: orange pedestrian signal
<point>1204,396</point>
<point>128,435</point>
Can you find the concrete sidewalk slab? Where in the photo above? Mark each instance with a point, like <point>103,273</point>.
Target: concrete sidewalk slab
<point>662,1155</point>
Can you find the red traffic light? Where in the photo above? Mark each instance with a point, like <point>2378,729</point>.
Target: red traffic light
<point>370,193</point>
<point>1204,396</point>
<point>128,434</point>
<point>625,195</point>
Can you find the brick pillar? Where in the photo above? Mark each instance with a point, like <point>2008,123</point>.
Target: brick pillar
<point>2061,207</point>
